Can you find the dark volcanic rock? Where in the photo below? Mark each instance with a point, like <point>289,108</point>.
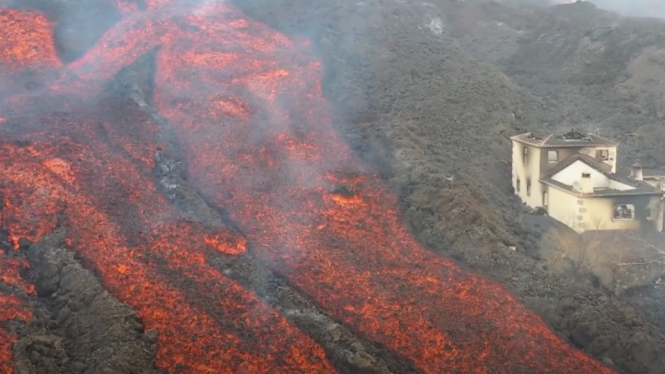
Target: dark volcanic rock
<point>89,330</point>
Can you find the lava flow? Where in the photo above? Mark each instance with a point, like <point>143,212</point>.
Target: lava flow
<point>247,108</point>
<point>92,171</point>
<point>148,255</point>
<point>11,307</point>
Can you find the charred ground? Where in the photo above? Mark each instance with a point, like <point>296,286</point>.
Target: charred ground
<point>428,102</point>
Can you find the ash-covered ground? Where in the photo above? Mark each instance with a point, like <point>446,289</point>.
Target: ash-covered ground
<point>428,94</point>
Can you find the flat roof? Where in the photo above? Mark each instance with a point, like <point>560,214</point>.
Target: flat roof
<point>571,139</point>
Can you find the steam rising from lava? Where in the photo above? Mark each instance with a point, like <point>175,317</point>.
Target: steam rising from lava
<point>246,105</point>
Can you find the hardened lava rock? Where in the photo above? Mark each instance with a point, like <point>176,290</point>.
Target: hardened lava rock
<point>89,331</point>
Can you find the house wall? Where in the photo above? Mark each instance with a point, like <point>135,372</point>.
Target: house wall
<point>593,151</point>
<point>530,171</point>
<point>657,208</point>
<point>563,207</point>
<point>656,182</point>
<point>584,214</point>
<point>573,173</point>
<point>564,153</point>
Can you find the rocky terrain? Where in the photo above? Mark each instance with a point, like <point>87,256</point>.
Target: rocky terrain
<point>429,93</point>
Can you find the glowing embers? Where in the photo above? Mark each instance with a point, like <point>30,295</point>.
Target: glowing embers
<point>224,105</point>
<point>28,213</point>
<point>6,342</point>
<point>346,196</point>
<point>10,273</point>
<point>103,191</point>
<point>11,307</point>
<point>61,168</point>
<point>227,243</point>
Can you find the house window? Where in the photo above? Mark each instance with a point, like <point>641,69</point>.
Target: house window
<point>517,185</point>
<point>528,187</point>
<point>604,154</point>
<point>624,212</point>
<point>552,157</point>
<point>545,198</point>
<point>525,156</point>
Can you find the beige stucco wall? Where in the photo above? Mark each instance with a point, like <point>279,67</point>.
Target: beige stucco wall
<point>564,153</point>
<point>590,213</point>
<point>657,210</point>
<point>656,182</point>
<point>573,173</point>
<point>591,151</point>
<point>526,172</point>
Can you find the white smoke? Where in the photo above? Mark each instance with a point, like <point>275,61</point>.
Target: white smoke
<point>637,8</point>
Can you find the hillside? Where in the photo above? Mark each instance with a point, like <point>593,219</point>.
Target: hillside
<point>585,67</point>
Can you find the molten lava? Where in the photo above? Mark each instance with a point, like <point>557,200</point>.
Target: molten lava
<point>247,108</point>
<point>11,307</point>
<point>149,256</point>
<point>26,40</point>
<point>93,173</point>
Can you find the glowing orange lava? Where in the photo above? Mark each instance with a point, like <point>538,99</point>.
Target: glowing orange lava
<point>9,273</point>
<point>149,256</point>
<point>26,40</point>
<point>246,104</point>
<point>57,169</point>
<point>11,307</point>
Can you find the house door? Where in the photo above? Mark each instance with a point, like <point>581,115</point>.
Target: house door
<point>545,198</point>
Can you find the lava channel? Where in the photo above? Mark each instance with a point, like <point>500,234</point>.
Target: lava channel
<point>25,43</point>
<point>11,307</point>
